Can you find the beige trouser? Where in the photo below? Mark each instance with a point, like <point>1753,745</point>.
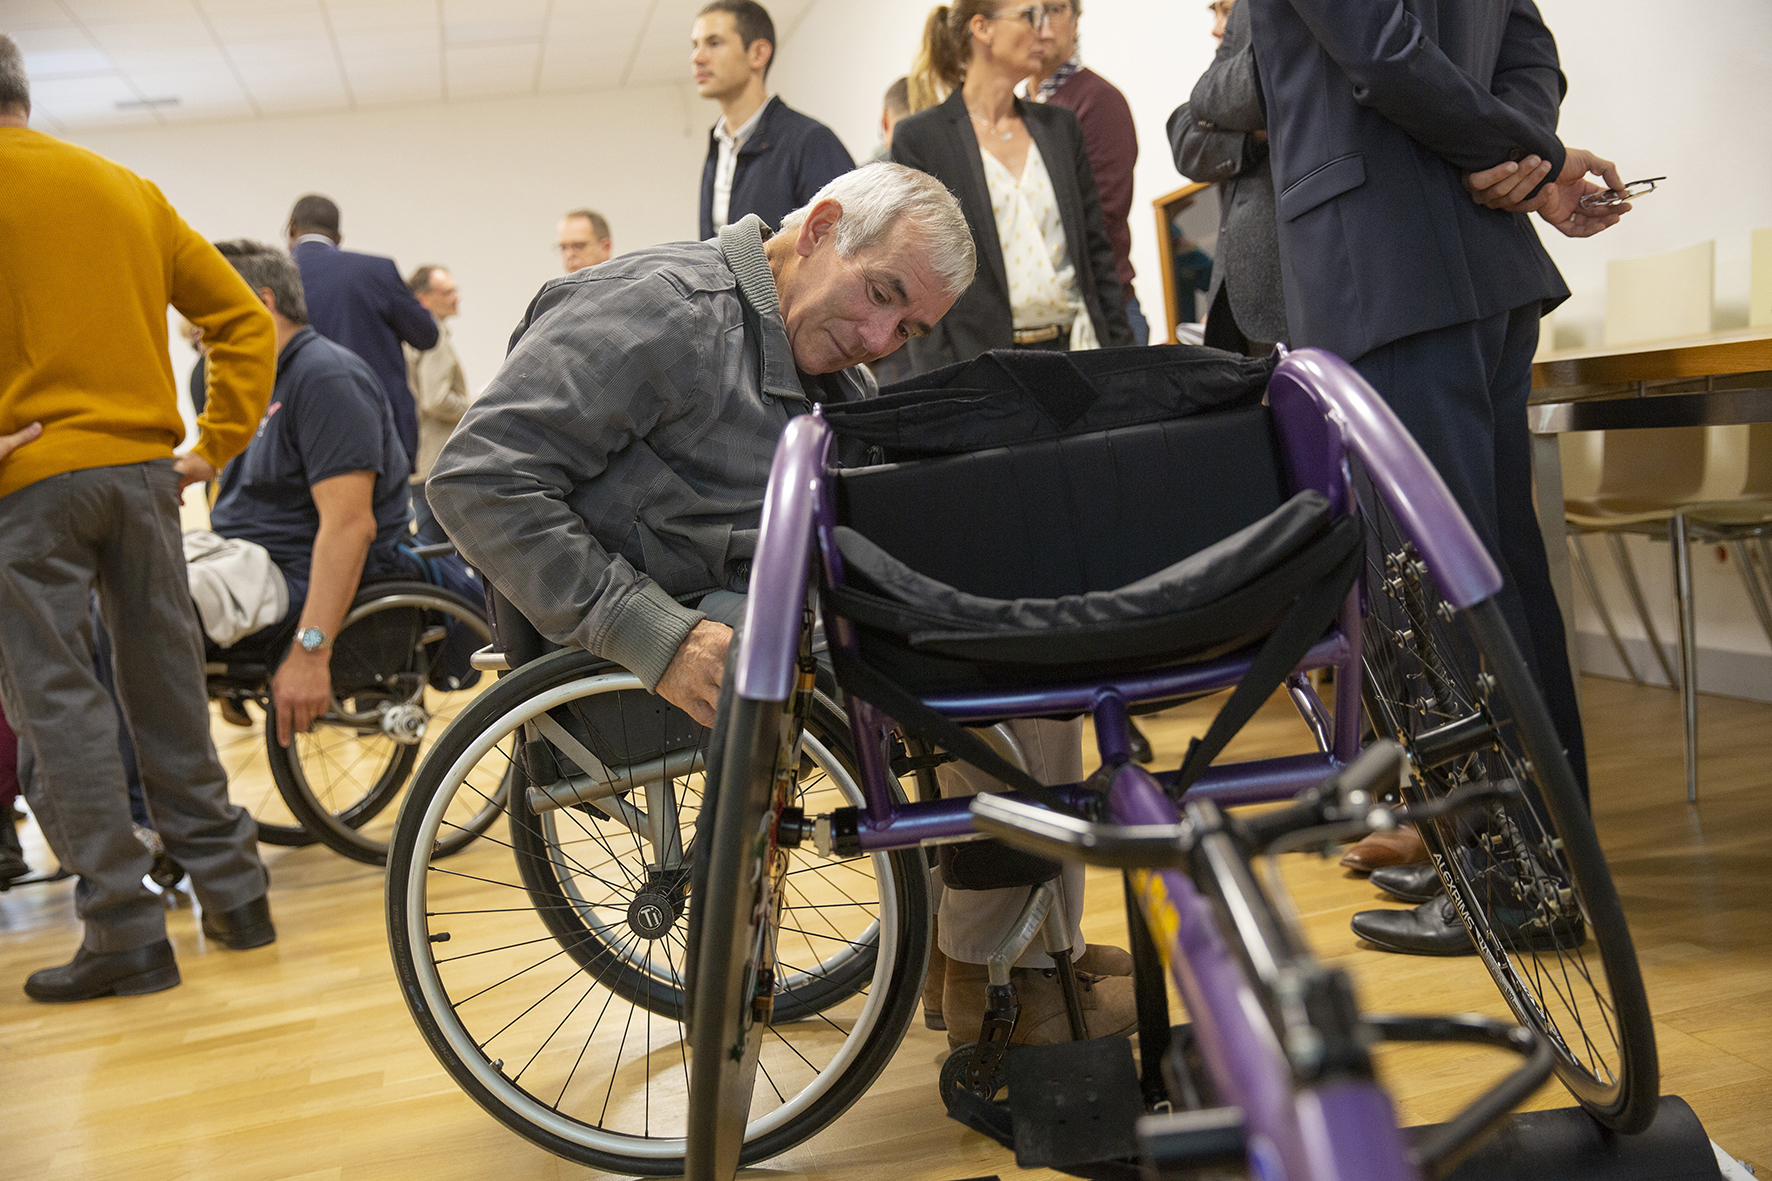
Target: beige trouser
<point>973,922</point>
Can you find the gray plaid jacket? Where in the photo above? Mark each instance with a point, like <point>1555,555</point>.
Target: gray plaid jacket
<point>614,469</point>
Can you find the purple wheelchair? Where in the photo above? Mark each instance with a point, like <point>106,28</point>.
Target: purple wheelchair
<point>1097,571</point>
<point>693,949</point>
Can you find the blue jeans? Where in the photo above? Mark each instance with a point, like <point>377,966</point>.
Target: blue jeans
<point>1141,328</point>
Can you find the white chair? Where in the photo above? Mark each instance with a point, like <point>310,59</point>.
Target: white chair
<point>1647,481</point>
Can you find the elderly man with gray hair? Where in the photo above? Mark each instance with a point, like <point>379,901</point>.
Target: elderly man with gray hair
<point>609,482</point>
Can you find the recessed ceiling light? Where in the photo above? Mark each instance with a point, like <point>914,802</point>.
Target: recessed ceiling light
<point>146,104</point>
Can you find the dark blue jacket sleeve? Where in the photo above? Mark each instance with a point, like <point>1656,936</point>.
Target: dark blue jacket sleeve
<point>401,309</point>
<point>1398,71</point>
<point>823,158</point>
<point>1528,76</point>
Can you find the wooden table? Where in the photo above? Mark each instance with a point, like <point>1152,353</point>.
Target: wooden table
<point>1720,379</point>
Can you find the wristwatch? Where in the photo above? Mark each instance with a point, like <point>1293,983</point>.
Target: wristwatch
<point>312,639</point>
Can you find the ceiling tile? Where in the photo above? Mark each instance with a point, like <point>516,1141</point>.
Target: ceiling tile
<point>318,74</point>
<point>106,12</point>
<point>364,18</point>
<point>240,8</point>
<point>202,94</point>
<point>150,45</point>
<point>268,25</point>
<point>295,55</point>
<point>392,42</point>
<point>51,52</point>
<point>34,14</point>
<point>484,10</point>
<point>468,32</point>
<point>70,98</point>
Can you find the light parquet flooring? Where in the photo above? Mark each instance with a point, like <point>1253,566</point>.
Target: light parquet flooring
<point>299,1062</point>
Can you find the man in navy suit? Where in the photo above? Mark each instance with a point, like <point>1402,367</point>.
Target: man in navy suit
<point>361,302</point>
<point>1409,140</point>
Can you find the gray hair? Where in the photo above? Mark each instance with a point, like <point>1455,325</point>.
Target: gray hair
<point>879,197</point>
<point>15,84</point>
<point>419,281</point>
<point>266,266</point>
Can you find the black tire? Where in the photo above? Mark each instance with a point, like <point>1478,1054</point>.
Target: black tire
<point>520,960</point>
<point>341,777</point>
<point>737,927</point>
<point>244,755</point>
<point>1452,687</point>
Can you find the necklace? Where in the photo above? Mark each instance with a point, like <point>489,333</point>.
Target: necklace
<point>1005,136</point>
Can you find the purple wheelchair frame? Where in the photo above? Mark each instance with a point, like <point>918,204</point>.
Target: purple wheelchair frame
<point>1324,412</point>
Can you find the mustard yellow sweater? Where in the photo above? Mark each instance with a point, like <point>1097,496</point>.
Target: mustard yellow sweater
<point>90,256</point>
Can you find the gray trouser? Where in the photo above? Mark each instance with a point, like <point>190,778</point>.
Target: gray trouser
<point>115,529</point>
<point>973,922</point>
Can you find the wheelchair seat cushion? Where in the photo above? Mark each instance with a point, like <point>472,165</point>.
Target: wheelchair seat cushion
<point>1013,396</point>
<point>1224,597</point>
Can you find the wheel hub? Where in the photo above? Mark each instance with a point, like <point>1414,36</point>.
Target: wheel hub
<point>405,723</point>
<point>651,915</point>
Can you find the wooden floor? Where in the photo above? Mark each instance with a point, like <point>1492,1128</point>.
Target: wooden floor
<point>298,1062</point>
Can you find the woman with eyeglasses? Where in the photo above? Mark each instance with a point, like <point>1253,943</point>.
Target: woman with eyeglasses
<point>1046,275</point>
<point>1046,280</point>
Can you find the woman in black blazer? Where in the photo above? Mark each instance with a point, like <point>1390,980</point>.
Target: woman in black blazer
<point>981,52</point>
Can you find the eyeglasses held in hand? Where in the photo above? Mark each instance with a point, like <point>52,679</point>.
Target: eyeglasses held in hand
<point>1611,198</point>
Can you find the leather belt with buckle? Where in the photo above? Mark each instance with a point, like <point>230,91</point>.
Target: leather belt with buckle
<point>1038,335</point>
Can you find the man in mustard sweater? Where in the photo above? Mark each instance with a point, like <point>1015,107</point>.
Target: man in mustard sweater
<point>90,257</point>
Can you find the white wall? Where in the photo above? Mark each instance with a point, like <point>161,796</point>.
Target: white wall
<point>475,186</point>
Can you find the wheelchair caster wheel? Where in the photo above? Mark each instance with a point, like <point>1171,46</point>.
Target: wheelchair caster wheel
<point>954,1070</point>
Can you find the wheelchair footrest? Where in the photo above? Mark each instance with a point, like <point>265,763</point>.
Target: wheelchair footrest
<point>1074,1103</point>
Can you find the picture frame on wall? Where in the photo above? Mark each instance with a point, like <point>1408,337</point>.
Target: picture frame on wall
<point>1187,239</point>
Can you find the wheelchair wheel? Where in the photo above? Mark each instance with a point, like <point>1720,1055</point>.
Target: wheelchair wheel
<point>547,971</point>
<point>1526,873</point>
<point>391,702</point>
<point>248,766</point>
<point>744,925</point>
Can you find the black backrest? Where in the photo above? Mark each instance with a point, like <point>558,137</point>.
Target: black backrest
<point>1066,516</point>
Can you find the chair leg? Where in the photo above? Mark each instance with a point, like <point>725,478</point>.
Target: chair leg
<point>1584,573</point>
<point>1756,589</point>
<point>1682,551</point>
<point>1628,572</point>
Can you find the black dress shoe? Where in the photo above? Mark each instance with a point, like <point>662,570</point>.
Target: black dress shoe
<point>115,973</point>
<point>1412,883</point>
<point>243,927</point>
<point>12,857</point>
<point>1435,928</point>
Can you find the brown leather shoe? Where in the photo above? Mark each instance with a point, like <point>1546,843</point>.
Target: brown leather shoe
<point>1400,846</point>
<point>1101,959</point>
<point>934,983</point>
<point>1109,1006</point>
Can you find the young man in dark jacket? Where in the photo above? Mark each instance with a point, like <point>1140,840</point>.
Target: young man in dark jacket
<point>763,156</point>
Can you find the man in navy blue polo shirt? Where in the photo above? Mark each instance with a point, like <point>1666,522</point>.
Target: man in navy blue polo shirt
<point>322,486</point>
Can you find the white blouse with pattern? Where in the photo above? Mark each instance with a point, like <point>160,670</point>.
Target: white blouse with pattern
<point>1036,258</point>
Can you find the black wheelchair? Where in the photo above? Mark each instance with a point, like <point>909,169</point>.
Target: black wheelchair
<point>400,675</point>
